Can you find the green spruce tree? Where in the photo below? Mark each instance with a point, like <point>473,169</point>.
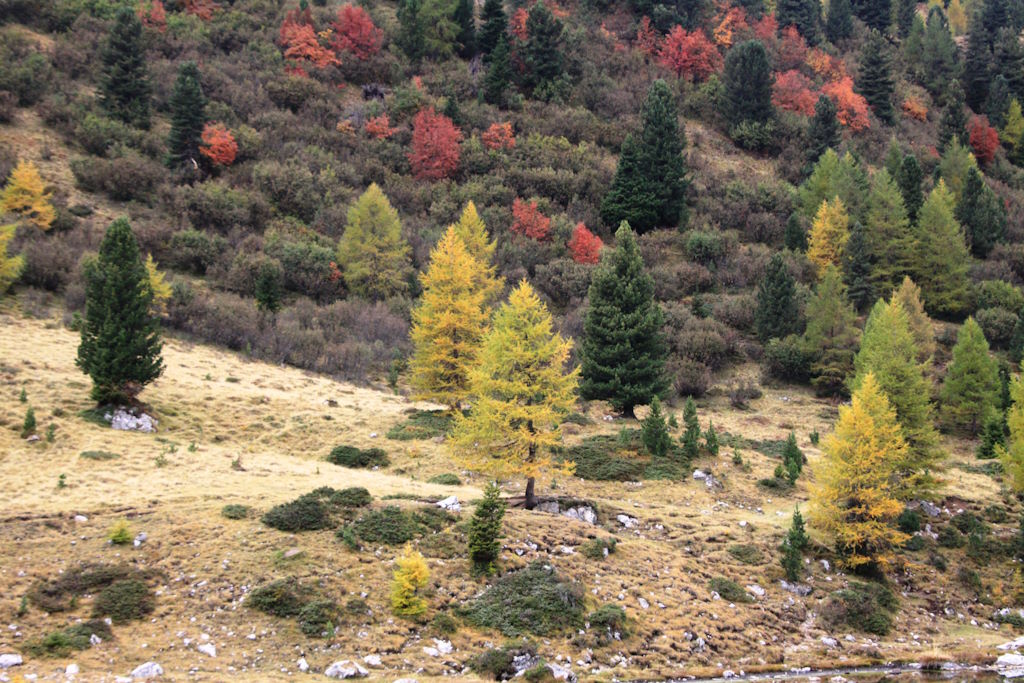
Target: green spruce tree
<point>465,19</point>
<point>877,14</point>
<point>893,239</point>
<point>711,444</point>
<point>874,80</point>
<point>499,75</point>
<point>747,84</point>
<point>494,24</point>
<point>124,85</point>
<point>690,439</point>
<point>795,237</point>
<point>412,30</point>
<point>823,132</point>
<point>654,431</point>
<point>777,313</point>
<point>909,179</point>
<point>188,116</point>
<point>831,334</point>
<point>839,24</point>
<point>543,53</point>
<point>942,259</point>
<point>858,268</point>
<point>981,214</point>
<point>978,63</point>
<point>485,531</point>
<point>793,546</point>
<point>804,14</point>
<point>971,387</point>
<point>906,10</point>
<point>938,53</point>
<point>953,123</point>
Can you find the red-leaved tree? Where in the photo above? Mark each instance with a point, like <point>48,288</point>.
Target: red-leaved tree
<point>792,49</point>
<point>499,136</point>
<point>794,92</point>
<point>203,9</point>
<point>303,47</point>
<point>219,144</point>
<point>765,29</point>
<point>584,245</point>
<point>851,108</point>
<point>379,127</point>
<point>153,15</point>
<point>355,33</point>
<point>689,54</point>
<point>529,221</point>
<point>435,145</point>
<point>646,38</point>
<point>517,25</point>
<point>984,140</point>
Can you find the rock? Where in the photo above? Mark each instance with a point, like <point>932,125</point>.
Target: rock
<point>930,509</point>
<point>1013,644</point>
<point>627,521</point>
<point>81,518</point>
<point>431,652</point>
<point>140,539</point>
<point>755,590</point>
<point>825,565</point>
<point>148,670</point>
<point>829,642</point>
<point>9,660</point>
<point>71,670</point>
<point>700,475</point>
<point>521,663</point>
<point>437,439</point>
<point>291,552</point>
<point>372,660</point>
<point>643,603</point>
<point>124,421</point>
<point>302,665</point>
<point>1010,665</point>
<point>562,673</point>
<point>451,503</point>
<point>32,438</point>
<point>345,669</point>
<point>94,639</point>
<point>548,506</point>
<point>443,646</point>
<point>406,680</point>
<point>207,649</point>
<point>800,589</point>
<point>584,513</point>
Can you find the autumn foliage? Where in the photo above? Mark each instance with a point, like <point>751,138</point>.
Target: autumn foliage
<point>584,245</point>
<point>915,109</point>
<point>529,221</point>
<point>435,145</point>
<point>852,109</point>
<point>984,139</point>
<point>301,43</point>
<point>203,9</point>
<point>689,54</point>
<point>794,92</point>
<point>499,136</point>
<point>646,38</point>
<point>355,33</point>
<point>219,144</point>
<point>379,127</point>
<point>517,25</point>
<point>792,50</point>
<point>728,30</point>
<point>153,15</point>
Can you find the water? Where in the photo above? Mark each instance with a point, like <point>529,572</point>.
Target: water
<point>888,674</point>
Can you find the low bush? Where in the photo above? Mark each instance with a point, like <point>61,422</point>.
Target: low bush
<point>123,601</point>
<point>317,509</point>
<point>316,618</point>
<point>747,554</point>
<point>446,479</point>
<point>444,624</point>
<point>909,521</point>
<point>62,643</point>
<point>950,537</point>
<point>497,663</point>
<point>865,607</point>
<point>350,456</point>
<point>729,590</point>
<point>532,600</point>
<point>599,548</point>
<point>281,598</point>
<point>422,424</point>
<point>120,533</point>
<point>235,511</point>
<point>609,621</point>
<point>393,526</point>
<point>58,594</point>
<point>788,359</point>
<point>98,455</point>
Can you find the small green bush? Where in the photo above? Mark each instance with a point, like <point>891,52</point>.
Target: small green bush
<point>57,595</point>
<point>909,521</point>
<point>301,514</point>
<point>608,620</point>
<point>532,600</point>
<point>235,511</point>
<point>865,607</point>
<point>316,618</point>
<point>124,601</point>
<point>62,643</point>
<point>98,455</point>
<point>444,624</point>
<point>422,424</point>
<point>281,598</point>
<point>950,537</point>
<point>393,526</point>
<point>353,497</point>
<point>120,533</point>
<point>496,663</point>
<point>599,548</point>
<point>596,460</point>
<point>729,590</point>
<point>350,456</point>
<point>446,479</point>
<point>747,554</point>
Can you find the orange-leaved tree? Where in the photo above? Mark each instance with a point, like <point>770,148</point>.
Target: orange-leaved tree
<point>529,221</point>
<point>379,127</point>
<point>851,108</point>
<point>689,54</point>
<point>355,32</point>
<point>435,145</point>
<point>984,140</point>
<point>794,92</point>
<point>499,136</point>
<point>219,144</point>
<point>584,245</point>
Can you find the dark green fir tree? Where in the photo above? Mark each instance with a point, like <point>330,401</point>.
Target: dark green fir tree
<point>493,24</point>
<point>954,117</point>
<point>859,269</point>
<point>543,53</point>
<point>124,85</point>
<point>839,24</point>
<point>411,36</point>
<point>981,214</point>
<point>804,14</point>
<point>939,56</point>
<point>747,84</point>
<point>998,101</point>
<point>485,531</point>
<point>188,116</point>
<point>499,75</point>
<point>777,313</point>
<point>654,431</point>
<point>906,10</point>
<point>977,71</point>
<point>795,237</point>
<point>823,132</point>
<point>690,440</point>
<point>875,81</point>
<point>877,14</point>
<point>465,19</point>
<point>909,179</point>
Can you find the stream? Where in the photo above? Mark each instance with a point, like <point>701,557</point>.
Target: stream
<point>865,674</point>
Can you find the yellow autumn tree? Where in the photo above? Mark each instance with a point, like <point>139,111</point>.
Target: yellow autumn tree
<point>471,228</point>
<point>908,295</point>
<point>1014,127</point>
<point>157,283</point>
<point>27,196</point>
<point>1012,455</point>
<point>520,391</point>
<point>448,323</point>
<point>407,583</point>
<point>10,266</point>
<point>372,254</point>
<point>829,234</point>
<point>853,501</point>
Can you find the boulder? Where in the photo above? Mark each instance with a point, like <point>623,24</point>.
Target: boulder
<point>1010,665</point>
<point>584,513</point>
<point>627,521</point>
<point>562,673</point>
<point>148,670</point>
<point>345,669</point>
<point>302,665</point>
<point>372,660</point>
<point>71,670</point>
<point>451,503</point>
<point>208,649</point>
<point>803,590</point>
<point>124,421</point>
<point>9,660</point>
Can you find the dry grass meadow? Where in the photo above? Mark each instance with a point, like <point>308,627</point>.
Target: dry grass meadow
<point>276,424</point>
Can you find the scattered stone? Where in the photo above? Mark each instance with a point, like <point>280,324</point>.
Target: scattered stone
<point>1010,665</point>
<point>32,438</point>
<point>803,590</point>
<point>431,652</point>
<point>643,603</point>
<point>562,673</point>
<point>829,642</point>
<point>124,421</point>
<point>71,670</point>
<point>302,665</point>
<point>451,503</point>
<point>94,639</point>
<point>9,660</point>
<point>521,663</point>
<point>627,521</point>
<point>291,552</point>
<point>755,590</point>
<point>207,649</point>
<point>825,565</point>
<point>148,670</point>
<point>700,475</point>
<point>1013,644</point>
<point>930,509</point>
<point>81,518</point>
<point>549,506</point>
<point>372,660</point>
<point>406,680</point>
<point>584,513</point>
<point>345,669</point>
<point>140,539</point>
<point>443,646</point>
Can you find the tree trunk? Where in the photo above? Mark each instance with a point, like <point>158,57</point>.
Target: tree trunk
<point>530,501</point>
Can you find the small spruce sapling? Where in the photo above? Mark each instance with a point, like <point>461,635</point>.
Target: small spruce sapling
<point>792,459</point>
<point>28,427</point>
<point>691,433</point>
<point>485,530</point>
<point>711,440</point>
<point>654,431</point>
<point>792,547</point>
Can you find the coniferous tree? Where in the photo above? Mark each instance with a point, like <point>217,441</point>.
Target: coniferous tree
<point>978,63</point>
<point>649,189</point>
<point>893,158</point>
<point>188,116</point>
<point>909,179</point>
<point>26,195</point>
<point>499,75</point>
<point>654,431</point>
<point>10,266</point>
<point>120,347</point>
<point>831,334</point>
<point>888,352</point>
<point>906,10</point>
<point>623,350</point>
<point>804,14</point>
<point>858,268</point>
<point>1008,60</point>
<point>823,132</point>
<point>943,259</point>
<point>953,123</point>
<point>839,24</point>
<point>465,19</point>
<point>938,53</point>
<point>855,501</point>
<point>408,582</point>
<point>971,387</point>
<point>993,437</point>
<point>795,237</point>
<point>711,444</point>
<point>981,214</point>
<point>124,86</point>
<point>411,36</point>
<point>777,313</point>
<point>835,177</point>
<point>1012,456</point>
<point>890,234</point>
<point>954,166</point>
<point>494,23</point>
<point>747,82</point>
<point>997,104</point>
<point>875,81</point>
<point>829,233</point>
<point>913,47</point>
<point>542,54</point>
<point>374,256</point>
<point>518,406</point>
<point>268,286</point>
<point>792,459</point>
<point>792,547</point>
<point>485,531</point>
<point>473,232</point>
<point>908,295</point>
<point>877,14</point>
<point>690,439</point>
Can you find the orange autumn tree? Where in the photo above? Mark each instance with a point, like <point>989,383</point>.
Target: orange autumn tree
<point>584,246</point>
<point>851,108</point>
<point>435,145</point>
<point>984,140</point>
<point>729,29</point>
<point>218,144</point>
<point>499,136</point>
<point>153,15</point>
<point>203,9</point>
<point>529,221</point>
<point>792,51</point>
<point>794,92</point>
<point>689,54</point>
<point>303,47</point>
<point>355,33</point>
<point>379,127</point>
<point>915,109</point>
<point>647,38</point>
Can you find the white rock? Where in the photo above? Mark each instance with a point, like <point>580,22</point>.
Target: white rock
<point>1013,644</point>
<point>627,521</point>
<point>562,673</point>
<point>584,513</point>
<point>1010,665</point>
<point>443,646</point>
<point>9,660</point>
<point>372,660</point>
<point>431,652</point>
<point>825,565</point>
<point>406,680</point>
<point>829,642</point>
<point>94,639</point>
<point>140,539</point>
<point>345,669</point>
<point>700,475</point>
<point>643,603</point>
<point>71,670</point>
<point>81,518</point>
<point>207,649</point>
<point>302,665</point>
<point>124,421</point>
<point>451,503</point>
<point>756,590</point>
<point>148,670</point>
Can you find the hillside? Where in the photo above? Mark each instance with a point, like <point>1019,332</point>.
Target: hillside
<point>278,423</point>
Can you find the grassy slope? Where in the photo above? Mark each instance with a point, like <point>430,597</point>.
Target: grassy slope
<point>278,422</point>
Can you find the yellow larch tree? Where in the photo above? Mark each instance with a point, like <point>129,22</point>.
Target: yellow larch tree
<point>448,323</point>
<point>471,228</point>
<point>26,195</point>
<point>372,254</point>
<point>1012,456</point>
<point>829,234</point>
<point>908,294</point>
<point>407,583</point>
<point>157,283</point>
<point>10,266</point>
<point>853,501</point>
<point>520,391</point>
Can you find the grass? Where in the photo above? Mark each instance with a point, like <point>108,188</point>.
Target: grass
<point>98,455</point>
<point>422,424</point>
<point>745,553</point>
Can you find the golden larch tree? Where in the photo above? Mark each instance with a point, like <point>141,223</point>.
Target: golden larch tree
<point>1012,456</point>
<point>853,501</point>
<point>829,234</point>
<point>26,195</point>
<point>407,583</point>
<point>372,254</point>
<point>520,392</point>
<point>471,228</point>
<point>158,284</point>
<point>10,266</point>
<point>448,323</point>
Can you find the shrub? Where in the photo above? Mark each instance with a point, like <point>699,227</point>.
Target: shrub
<point>742,393</point>
<point>62,643</point>
<point>124,601</point>
<point>599,548</point>
<point>235,511</point>
<point>999,294</point>
<point>444,624</point>
<point>610,620</point>
<point>447,479</point>
<point>317,617</point>
<point>909,521</point>
<point>690,377</point>
<point>788,359</point>
<point>394,526</point>
<point>194,251</point>
<point>301,514</point>
<point>120,533</point>
<point>997,324</point>
<point>866,607</point>
<point>532,600</point>
<point>596,461</point>
<point>950,537</point>
<point>350,456</point>
<point>747,554</point>
<point>422,424</point>
<point>498,662</point>
<point>57,595</point>
<point>352,497</point>
<point>729,590</point>
<point>98,455</point>
<point>281,598</point>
